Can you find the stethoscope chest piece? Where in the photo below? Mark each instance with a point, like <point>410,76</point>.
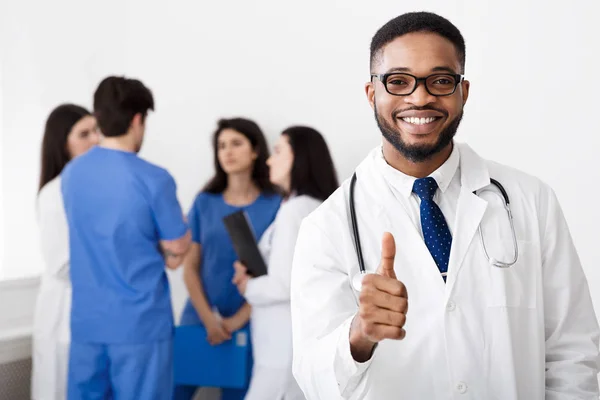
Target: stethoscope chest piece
<point>357,280</point>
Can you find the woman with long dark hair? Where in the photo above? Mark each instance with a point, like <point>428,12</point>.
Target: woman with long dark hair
<point>241,182</point>
<point>70,131</point>
<point>303,169</point>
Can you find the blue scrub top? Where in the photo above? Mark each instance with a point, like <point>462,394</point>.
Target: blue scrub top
<point>119,207</point>
<point>216,271</point>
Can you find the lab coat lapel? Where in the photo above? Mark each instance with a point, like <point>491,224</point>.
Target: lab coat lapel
<point>411,251</point>
<point>470,208</point>
<point>469,213</point>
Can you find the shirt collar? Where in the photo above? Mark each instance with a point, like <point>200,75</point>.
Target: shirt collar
<point>404,183</point>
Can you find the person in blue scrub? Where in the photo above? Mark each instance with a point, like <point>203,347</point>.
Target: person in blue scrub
<point>241,182</point>
<point>125,225</point>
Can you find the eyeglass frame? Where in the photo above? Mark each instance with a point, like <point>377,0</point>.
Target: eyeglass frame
<point>383,79</point>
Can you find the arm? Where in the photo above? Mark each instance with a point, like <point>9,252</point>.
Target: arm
<point>239,319</point>
<point>323,307</point>
<point>571,329</point>
<point>266,290</point>
<point>174,250</point>
<point>172,228</point>
<point>193,282</point>
<point>275,287</point>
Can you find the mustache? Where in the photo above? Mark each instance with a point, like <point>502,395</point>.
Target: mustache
<point>414,108</point>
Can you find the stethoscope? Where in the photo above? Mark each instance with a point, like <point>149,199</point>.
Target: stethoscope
<point>357,279</point>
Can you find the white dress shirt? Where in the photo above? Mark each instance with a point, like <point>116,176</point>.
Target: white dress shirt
<point>447,177</point>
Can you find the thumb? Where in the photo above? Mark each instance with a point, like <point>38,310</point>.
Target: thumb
<point>239,267</point>
<point>388,253</point>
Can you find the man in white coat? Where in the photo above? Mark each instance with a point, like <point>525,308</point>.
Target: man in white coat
<point>480,325</point>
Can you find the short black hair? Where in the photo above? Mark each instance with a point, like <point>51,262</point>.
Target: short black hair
<point>313,172</point>
<point>117,100</point>
<point>260,172</point>
<point>417,22</point>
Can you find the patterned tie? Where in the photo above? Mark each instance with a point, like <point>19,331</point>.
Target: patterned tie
<point>435,230</point>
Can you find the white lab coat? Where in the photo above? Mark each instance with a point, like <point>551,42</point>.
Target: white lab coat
<point>528,332</point>
<point>269,297</point>
<point>51,330</point>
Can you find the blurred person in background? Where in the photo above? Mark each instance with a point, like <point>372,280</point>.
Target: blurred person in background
<point>302,167</point>
<point>241,182</point>
<point>125,224</point>
<point>70,131</point>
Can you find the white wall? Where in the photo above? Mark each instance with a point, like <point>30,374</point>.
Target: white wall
<point>533,67</point>
<point>1,153</point>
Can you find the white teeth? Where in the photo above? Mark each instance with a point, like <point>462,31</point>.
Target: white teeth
<point>418,121</point>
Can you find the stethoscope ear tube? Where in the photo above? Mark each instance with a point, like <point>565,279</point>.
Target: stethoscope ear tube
<point>503,197</point>
<point>357,278</point>
<point>358,247</point>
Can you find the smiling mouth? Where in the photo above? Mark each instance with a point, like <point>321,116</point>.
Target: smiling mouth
<point>419,121</point>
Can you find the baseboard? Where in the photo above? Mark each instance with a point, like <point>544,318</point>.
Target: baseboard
<point>15,347</point>
<point>17,303</point>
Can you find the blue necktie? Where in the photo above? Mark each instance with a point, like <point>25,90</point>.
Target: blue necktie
<point>435,230</point>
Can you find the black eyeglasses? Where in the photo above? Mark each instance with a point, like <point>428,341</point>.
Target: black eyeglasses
<point>401,84</point>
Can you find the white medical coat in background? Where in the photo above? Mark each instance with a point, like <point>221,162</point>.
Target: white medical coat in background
<point>51,325</point>
<point>269,296</point>
<point>528,332</point>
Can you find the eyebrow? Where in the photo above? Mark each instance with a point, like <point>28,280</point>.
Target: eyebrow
<point>434,69</point>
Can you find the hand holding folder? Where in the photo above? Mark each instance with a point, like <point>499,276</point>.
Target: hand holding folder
<point>244,242</point>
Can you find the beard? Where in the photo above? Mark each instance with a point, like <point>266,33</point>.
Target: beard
<point>423,152</point>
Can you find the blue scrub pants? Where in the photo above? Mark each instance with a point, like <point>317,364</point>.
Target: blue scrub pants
<point>121,371</point>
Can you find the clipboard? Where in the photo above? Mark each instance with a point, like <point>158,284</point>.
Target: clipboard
<point>242,236</point>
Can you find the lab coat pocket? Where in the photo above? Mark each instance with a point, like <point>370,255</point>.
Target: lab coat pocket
<point>514,286</point>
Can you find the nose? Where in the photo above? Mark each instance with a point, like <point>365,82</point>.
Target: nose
<point>420,97</point>
<point>227,151</point>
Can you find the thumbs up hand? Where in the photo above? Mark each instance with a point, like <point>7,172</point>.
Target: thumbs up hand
<point>383,304</point>
<point>388,253</point>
